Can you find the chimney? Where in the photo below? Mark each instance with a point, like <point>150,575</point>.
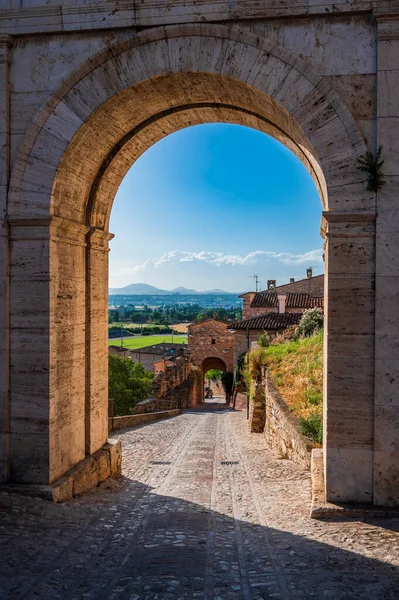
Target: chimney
<point>292,279</point>
<point>281,303</point>
<point>309,273</point>
<point>271,284</point>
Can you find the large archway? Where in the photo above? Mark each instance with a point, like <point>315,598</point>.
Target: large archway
<point>72,161</point>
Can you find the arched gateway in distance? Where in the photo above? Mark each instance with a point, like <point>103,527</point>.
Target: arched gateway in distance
<point>84,99</point>
<point>211,345</point>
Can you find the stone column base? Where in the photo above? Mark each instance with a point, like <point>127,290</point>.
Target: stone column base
<point>321,509</point>
<point>89,472</point>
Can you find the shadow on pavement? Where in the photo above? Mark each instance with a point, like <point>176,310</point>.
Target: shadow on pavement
<point>133,544</point>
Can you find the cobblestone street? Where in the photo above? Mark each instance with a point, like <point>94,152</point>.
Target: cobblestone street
<point>204,510</point>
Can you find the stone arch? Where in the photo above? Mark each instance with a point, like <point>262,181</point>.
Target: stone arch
<point>120,96</point>
<point>73,157</point>
<point>211,362</point>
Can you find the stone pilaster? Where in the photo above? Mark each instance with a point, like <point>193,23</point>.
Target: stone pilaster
<point>30,363</point>
<point>5,49</point>
<point>96,339</point>
<point>47,348</point>
<point>349,356</point>
<point>386,418</point>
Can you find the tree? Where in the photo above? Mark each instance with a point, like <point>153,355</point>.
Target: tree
<point>264,340</point>
<point>128,383</point>
<point>213,374</point>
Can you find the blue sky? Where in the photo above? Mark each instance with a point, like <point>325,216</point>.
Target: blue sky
<point>211,205</point>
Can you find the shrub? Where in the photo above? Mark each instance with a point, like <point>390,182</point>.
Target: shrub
<point>288,335</point>
<point>312,427</point>
<point>247,379</point>
<point>257,359</point>
<point>238,370</point>
<point>264,340</point>
<point>311,322</point>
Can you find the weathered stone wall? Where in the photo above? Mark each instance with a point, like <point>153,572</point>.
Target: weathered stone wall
<point>257,409</point>
<point>282,429</point>
<point>173,377</point>
<point>76,80</point>
<point>175,388</point>
<point>241,343</point>
<point>133,420</point>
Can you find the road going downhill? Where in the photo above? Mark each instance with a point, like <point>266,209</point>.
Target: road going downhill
<point>204,510</point>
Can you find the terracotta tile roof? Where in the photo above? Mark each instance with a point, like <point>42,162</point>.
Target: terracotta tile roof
<point>269,321</point>
<point>303,301</point>
<point>314,286</point>
<point>224,321</point>
<point>265,300</point>
<point>294,300</point>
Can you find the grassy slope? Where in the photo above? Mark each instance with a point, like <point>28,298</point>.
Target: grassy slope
<point>297,370</point>
<point>148,340</point>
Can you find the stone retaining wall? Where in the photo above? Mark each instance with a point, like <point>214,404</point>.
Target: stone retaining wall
<point>175,376</point>
<point>282,429</point>
<point>132,420</point>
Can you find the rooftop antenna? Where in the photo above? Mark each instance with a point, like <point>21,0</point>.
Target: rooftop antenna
<point>256,281</point>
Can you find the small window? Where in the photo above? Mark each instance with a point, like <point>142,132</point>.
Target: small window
<point>213,341</point>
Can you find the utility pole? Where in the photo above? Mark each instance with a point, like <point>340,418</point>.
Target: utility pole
<point>256,281</point>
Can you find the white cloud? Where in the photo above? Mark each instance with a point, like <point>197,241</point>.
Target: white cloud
<point>253,258</point>
<point>219,259</point>
<point>135,270</point>
<point>196,269</point>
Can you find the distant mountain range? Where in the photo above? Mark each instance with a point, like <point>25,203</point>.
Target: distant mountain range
<point>142,289</point>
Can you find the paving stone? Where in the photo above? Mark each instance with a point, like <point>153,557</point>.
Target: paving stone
<point>194,528</point>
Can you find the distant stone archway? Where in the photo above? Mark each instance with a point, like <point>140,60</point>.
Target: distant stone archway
<point>71,162</point>
<point>212,362</point>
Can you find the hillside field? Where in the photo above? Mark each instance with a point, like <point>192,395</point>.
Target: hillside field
<point>296,368</point>
<point>148,340</point>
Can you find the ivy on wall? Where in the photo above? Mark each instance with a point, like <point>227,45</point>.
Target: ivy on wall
<point>372,165</point>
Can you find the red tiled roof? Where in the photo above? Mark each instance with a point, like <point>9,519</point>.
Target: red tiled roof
<point>225,322</point>
<point>293,300</point>
<point>269,321</point>
<point>314,286</point>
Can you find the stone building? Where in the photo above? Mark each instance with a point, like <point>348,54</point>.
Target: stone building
<point>277,308</point>
<point>211,340</point>
<point>211,344</point>
<point>148,355</point>
<point>249,330</point>
<point>118,351</point>
<point>281,302</point>
<point>301,294</point>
